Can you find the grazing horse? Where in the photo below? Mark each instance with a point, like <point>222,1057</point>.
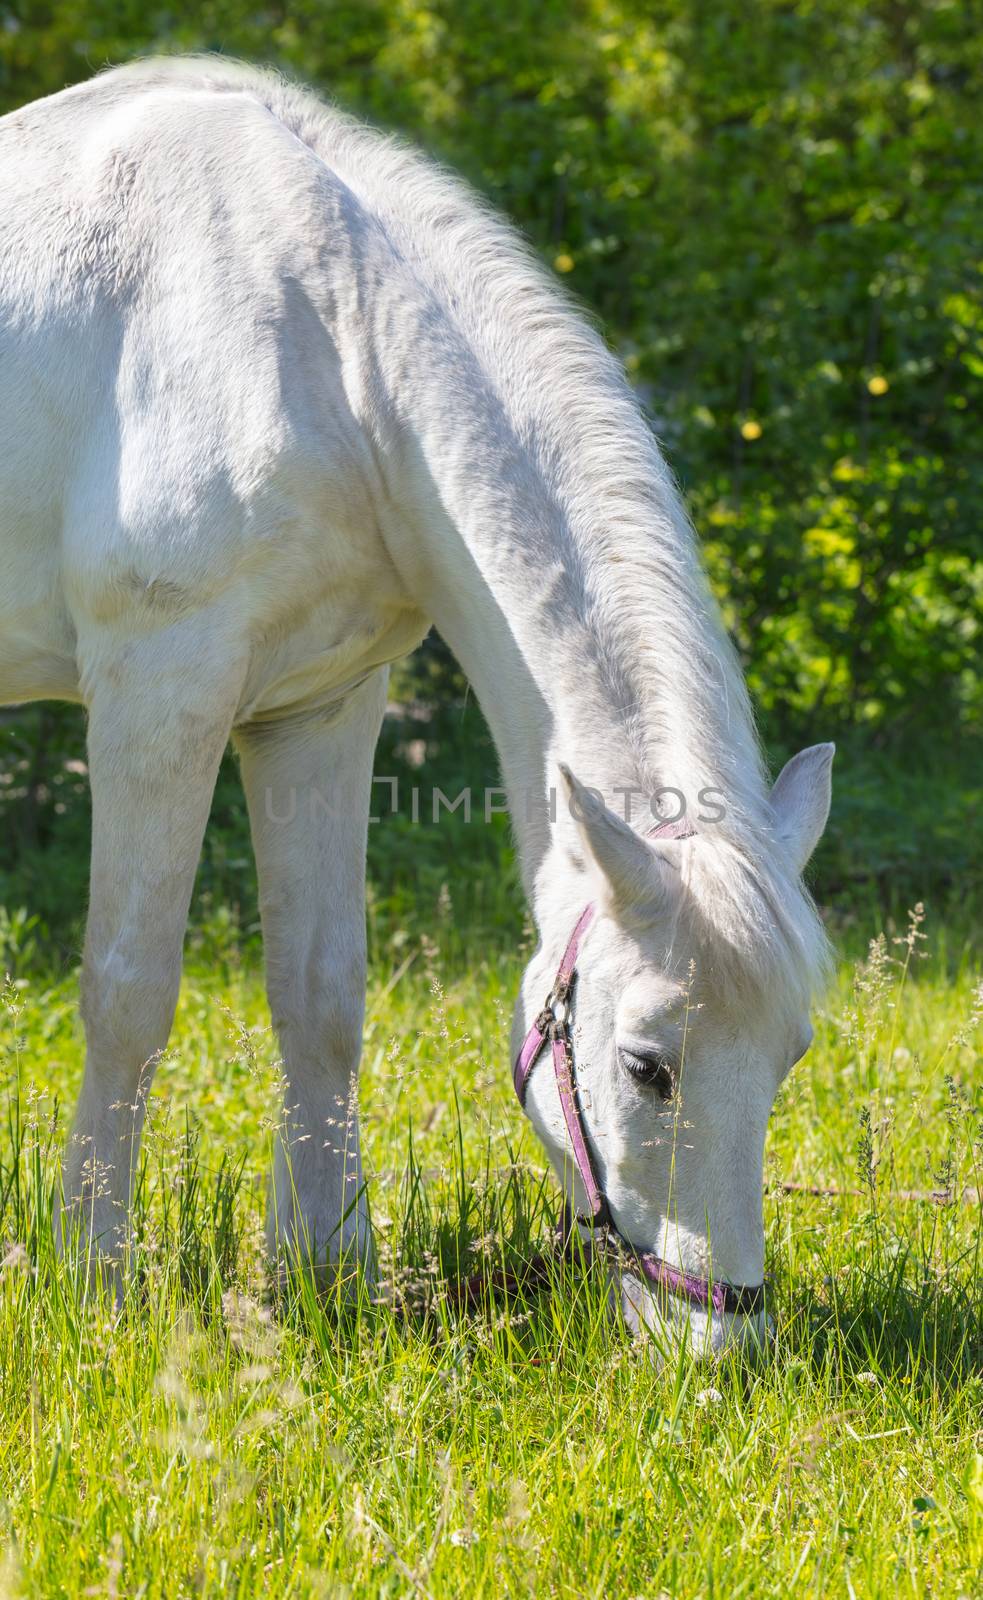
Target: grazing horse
<point>276,394</point>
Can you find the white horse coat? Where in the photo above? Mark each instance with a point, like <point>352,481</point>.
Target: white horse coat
<point>276,393</point>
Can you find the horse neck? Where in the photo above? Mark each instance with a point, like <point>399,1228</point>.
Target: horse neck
<point>548,544</point>
<point>564,668</point>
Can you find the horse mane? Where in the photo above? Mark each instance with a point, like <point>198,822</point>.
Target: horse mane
<point>636,568</point>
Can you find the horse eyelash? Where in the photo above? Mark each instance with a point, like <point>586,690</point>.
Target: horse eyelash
<point>656,1072</point>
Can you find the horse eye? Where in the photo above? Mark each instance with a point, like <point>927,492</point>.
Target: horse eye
<point>653,1072</point>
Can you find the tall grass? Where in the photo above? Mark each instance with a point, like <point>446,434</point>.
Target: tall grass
<point>202,1438</point>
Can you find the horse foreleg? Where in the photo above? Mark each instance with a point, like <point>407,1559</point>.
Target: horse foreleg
<point>158,723</point>
<point>307,783</point>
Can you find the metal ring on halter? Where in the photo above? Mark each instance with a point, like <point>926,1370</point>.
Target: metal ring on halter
<point>558,1007</point>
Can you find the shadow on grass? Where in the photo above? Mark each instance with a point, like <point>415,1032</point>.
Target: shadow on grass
<point>902,1317</point>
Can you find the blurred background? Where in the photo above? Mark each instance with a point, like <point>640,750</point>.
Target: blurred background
<point>774,210</point>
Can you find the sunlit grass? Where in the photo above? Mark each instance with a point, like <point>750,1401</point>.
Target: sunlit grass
<point>202,1441</point>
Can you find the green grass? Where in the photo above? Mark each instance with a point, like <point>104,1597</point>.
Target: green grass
<point>200,1443</point>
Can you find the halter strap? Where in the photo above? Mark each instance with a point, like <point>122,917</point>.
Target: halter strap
<point>559,994</point>
<point>553,1025</point>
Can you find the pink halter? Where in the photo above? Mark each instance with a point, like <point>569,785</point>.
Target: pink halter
<point>553,1025</point>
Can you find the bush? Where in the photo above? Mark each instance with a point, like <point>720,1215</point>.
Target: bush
<point>776,212</point>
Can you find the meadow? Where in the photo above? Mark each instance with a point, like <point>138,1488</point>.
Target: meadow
<point>774,214</point>
<point>206,1440</point>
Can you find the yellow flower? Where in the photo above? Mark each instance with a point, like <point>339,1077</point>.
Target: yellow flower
<point>563,262</point>
<point>751,429</point>
<point>878,385</point>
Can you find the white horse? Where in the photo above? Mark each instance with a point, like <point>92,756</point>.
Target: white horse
<point>276,393</point>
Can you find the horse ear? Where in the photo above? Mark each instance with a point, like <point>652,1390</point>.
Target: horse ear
<point>631,869</point>
<point>801,799</point>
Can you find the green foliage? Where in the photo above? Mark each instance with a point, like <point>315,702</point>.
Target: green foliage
<point>776,211</point>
